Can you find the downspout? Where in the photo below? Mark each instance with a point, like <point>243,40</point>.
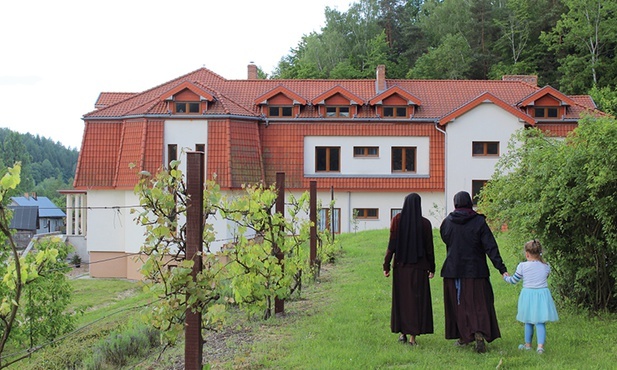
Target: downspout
<point>349,213</point>
<point>445,170</point>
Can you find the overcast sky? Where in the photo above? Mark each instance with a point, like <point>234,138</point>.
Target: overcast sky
<point>57,56</point>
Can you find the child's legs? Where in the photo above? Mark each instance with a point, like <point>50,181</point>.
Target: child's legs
<point>541,329</point>
<point>528,332</point>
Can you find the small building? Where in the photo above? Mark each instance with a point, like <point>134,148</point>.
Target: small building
<point>49,219</point>
<point>25,223</point>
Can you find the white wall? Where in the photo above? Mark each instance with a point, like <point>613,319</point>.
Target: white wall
<point>369,166</point>
<point>433,207</point>
<point>486,122</point>
<point>185,134</point>
<point>106,220</point>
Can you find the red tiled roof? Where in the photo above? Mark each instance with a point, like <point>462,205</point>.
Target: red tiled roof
<point>108,98</point>
<point>127,129</point>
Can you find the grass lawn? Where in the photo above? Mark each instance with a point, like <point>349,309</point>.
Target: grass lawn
<point>344,323</point>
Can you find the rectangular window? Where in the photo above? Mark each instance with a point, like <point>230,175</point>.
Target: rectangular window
<point>403,159</point>
<point>329,219</point>
<point>366,151</point>
<point>337,112</point>
<point>476,187</point>
<point>395,112</point>
<point>327,159</point>
<point>200,148</point>
<point>366,213</point>
<point>394,212</point>
<point>485,148</point>
<point>545,112</point>
<point>187,107</point>
<point>280,111</point>
<point>172,153</point>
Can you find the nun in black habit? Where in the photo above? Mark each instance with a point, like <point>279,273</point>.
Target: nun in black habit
<point>468,294</point>
<point>411,249</point>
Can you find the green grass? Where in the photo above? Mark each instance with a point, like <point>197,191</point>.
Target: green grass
<point>342,321</point>
<point>346,325</point>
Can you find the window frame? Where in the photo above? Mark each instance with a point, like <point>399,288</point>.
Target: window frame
<point>328,159</point>
<point>485,149</point>
<point>281,110</point>
<point>404,150</point>
<point>366,152</point>
<point>172,153</point>
<point>475,190</point>
<point>545,112</point>
<point>394,212</point>
<point>188,105</point>
<point>395,111</point>
<point>365,213</point>
<point>337,111</point>
<point>326,218</point>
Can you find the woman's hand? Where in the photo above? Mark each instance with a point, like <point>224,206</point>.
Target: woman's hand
<point>386,273</point>
<point>431,275</point>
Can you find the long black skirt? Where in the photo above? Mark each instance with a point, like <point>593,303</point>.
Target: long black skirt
<point>412,307</point>
<point>471,310</point>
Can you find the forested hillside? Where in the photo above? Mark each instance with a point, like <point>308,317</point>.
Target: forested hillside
<point>568,44</point>
<point>47,166</point>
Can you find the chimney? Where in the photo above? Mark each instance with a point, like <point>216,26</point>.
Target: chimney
<point>530,79</point>
<point>252,69</point>
<point>380,81</point>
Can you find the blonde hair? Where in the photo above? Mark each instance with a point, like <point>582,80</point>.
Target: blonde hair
<point>534,248</point>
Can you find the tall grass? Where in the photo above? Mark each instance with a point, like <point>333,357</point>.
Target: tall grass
<point>344,323</point>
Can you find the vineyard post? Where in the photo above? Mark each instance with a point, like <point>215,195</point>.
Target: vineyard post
<point>279,304</point>
<point>193,348</point>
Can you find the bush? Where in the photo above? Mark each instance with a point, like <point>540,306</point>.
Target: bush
<point>565,194</point>
<point>119,348</point>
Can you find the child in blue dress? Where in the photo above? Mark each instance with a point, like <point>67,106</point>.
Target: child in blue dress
<point>535,303</point>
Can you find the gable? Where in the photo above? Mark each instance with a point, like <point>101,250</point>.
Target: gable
<point>485,98</point>
<point>337,99</point>
<point>340,95</point>
<point>280,99</point>
<point>186,95</point>
<point>395,99</point>
<point>276,93</point>
<point>548,101</point>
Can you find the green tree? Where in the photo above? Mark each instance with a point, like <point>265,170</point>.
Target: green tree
<point>564,193</point>
<point>26,310</point>
<point>606,99</point>
<point>450,60</point>
<point>584,37</point>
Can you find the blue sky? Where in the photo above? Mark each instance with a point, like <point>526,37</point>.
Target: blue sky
<point>57,56</point>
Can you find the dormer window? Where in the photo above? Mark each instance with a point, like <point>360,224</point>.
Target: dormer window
<point>187,107</point>
<point>337,112</point>
<point>280,111</point>
<point>395,111</point>
<point>546,112</point>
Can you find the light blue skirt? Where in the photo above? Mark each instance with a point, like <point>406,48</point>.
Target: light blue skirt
<point>536,306</point>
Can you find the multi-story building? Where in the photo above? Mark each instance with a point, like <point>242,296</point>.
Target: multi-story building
<point>367,143</point>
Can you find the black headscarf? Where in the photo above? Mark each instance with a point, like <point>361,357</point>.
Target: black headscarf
<point>462,199</point>
<point>410,241</point>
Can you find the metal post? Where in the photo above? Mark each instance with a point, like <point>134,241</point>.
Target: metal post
<point>193,347</point>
